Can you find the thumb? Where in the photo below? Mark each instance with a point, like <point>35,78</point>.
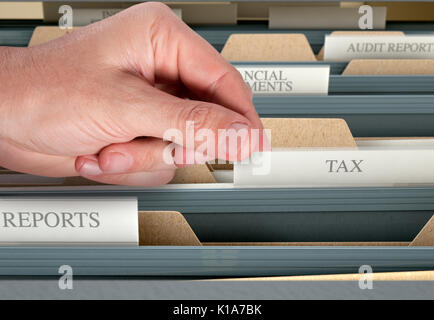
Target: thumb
<point>206,128</point>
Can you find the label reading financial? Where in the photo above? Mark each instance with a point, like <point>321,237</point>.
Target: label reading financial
<point>286,80</point>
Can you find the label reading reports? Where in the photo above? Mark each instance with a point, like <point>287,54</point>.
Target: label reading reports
<point>286,80</point>
<point>69,220</point>
<point>346,48</point>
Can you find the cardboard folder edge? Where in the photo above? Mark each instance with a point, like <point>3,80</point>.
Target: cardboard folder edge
<point>268,47</point>
<point>390,67</point>
<point>427,275</point>
<point>43,34</point>
<point>159,228</point>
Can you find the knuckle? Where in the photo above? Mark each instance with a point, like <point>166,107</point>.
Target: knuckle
<point>157,7</point>
<point>200,114</point>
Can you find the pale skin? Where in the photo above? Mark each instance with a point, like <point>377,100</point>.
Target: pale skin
<point>97,102</point>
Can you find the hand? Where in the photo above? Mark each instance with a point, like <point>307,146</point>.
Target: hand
<point>98,101</point>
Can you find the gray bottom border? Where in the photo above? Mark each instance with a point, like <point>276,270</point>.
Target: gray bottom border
<point>25,288</point>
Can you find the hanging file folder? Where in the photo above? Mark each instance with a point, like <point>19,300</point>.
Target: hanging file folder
<point>201,226</point>
<point>223,212</point>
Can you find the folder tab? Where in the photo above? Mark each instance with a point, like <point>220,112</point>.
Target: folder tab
<point>308,133</point>
<point>407,10</point>
<point>207,13</point>
<point>284,80</point>
<point>368,167</point>
<point>83,17</point>
<point>163,228</point>
<point>268,47</point>
<point>326,165</point>
<point>81,221</point>
<point>44,34</point>
<point>426,236</point>
<point>259,11</point>
<point>322,17</point>
<point>320,55</point>
<point>198,173</point>
<point>16,10</point>
<point>86,16</point>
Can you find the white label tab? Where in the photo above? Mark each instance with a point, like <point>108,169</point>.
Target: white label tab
<point>83,17</point>
<point>322,17</point>
<point>80,221</point>
<point>337,168</point>
<point>346,48</point>
<point>286,80</point>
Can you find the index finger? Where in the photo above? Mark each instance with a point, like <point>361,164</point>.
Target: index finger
<point>181,54</point>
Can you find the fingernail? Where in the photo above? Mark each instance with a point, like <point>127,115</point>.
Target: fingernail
<point>88,167</point>
<point>231,149</point>
<point>116,162</point>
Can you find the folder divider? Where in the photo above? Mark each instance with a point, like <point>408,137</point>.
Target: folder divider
<point>293,49</point>
<point>281,47</point>
<point>345,104</point>
<point>218,36</point>
<point>170,228</point>
<point>210,261</point>
<point>271,47</point>
<point>167,228</point>
<point>397,11</point>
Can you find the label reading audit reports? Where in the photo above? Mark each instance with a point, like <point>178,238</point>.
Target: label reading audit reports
<point>87,221</point>
<point>346,48</point>
<point>286,80</point>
